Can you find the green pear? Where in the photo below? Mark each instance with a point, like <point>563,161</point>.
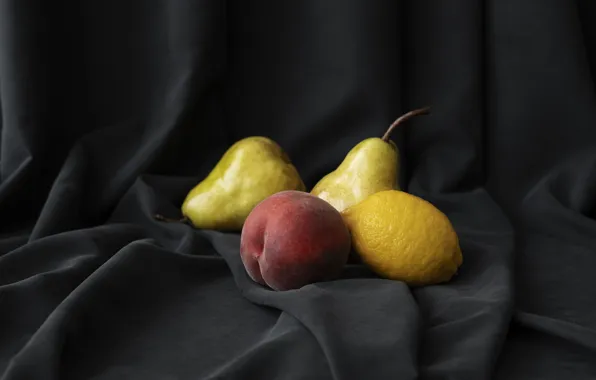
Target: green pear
<point>251,170</point>
<point>369,167</point>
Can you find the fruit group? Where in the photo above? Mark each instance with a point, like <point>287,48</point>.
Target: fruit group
<point>250,170</point>
<point>292,239</point>
<point>403,237</point>
<point>369,167</point>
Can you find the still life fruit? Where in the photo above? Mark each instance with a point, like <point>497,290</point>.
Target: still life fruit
<point>249,171</point>
<point>403,237</point>
<point>369,167</point>
<point>290,237</point>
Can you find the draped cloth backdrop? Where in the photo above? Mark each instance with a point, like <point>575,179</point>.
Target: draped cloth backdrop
<point>112,110</point>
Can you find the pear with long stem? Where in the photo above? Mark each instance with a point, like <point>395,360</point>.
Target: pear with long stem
<point>369,167</point>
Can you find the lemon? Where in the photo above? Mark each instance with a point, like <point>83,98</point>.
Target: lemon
<point>403,237</point>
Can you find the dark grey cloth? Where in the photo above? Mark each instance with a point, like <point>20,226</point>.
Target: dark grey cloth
<point>112,110</point>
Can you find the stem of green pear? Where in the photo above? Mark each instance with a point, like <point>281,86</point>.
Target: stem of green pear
<point>171,220</point>
<point>402,118</point>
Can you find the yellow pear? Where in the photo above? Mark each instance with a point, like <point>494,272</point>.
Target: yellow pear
<point>369,167</point>
<point>251,170</point>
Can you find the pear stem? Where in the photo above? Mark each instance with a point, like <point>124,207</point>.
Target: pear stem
<point>171,220</point>
<point>402,118</point>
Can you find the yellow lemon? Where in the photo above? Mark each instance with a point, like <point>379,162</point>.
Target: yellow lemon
<point>403,237</point>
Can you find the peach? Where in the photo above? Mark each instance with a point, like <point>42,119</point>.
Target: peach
<point>292,239</point>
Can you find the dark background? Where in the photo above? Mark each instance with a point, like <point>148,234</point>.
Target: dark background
<point>112,110</point>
